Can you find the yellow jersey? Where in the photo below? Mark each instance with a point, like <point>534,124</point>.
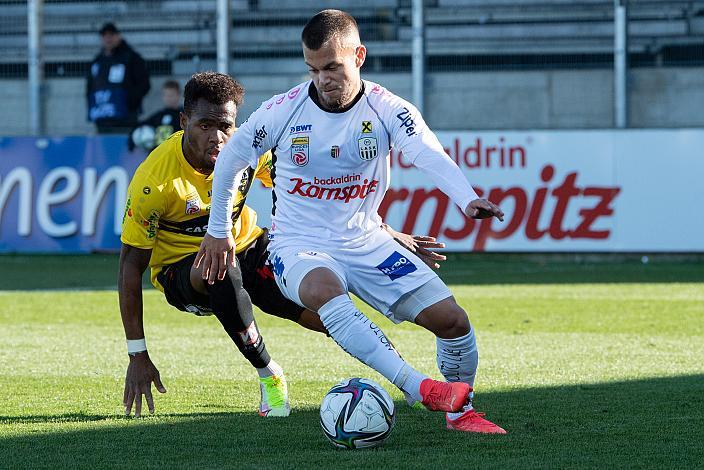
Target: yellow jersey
<point>168,204</point>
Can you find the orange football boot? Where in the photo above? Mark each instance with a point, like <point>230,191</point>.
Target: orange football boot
<point>444,396</point>
<point>473,421</point>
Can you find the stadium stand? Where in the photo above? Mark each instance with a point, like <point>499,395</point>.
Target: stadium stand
<point>539,52</point>
<point>178,30</point>
<point>550,26</point>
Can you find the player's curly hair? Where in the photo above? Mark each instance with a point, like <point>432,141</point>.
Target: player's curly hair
<point>325,25</point>
<point>213,87</point>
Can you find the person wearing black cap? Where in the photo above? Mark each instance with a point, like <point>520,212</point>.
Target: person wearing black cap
<point>117,82</point>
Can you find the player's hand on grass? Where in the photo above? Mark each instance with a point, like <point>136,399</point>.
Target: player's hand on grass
<point>213,256</point>
<point>483,209</point>
<point>141,372</point>
<point>421,245</point>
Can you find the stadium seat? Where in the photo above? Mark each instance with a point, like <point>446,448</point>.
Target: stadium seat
<point>178,30</point>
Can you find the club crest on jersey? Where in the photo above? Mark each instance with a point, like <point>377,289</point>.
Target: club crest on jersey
<point>192,205</point>
<point>299,151</point>
<point>367,148</point>
<point>366,127</point>
<point>335,151</point>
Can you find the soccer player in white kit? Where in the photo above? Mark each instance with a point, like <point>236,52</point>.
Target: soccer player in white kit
<point>330,139</point>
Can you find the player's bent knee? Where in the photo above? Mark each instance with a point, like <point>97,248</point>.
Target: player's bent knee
<point>197,282</point>
<point>458,325</point>
<point>312,321</point>
<point>224,291</point>
<point>445,319</point>
<point>222,288</point>
<point>318,287</point>
<point>452,326</point>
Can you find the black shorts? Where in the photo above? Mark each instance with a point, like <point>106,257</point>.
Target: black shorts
<point>257,278</point>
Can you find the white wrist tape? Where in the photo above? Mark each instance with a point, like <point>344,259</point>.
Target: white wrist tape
<point>136,345</point>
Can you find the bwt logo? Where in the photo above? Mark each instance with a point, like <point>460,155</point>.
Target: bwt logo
<point>396,266</point>
<point>301,128</point>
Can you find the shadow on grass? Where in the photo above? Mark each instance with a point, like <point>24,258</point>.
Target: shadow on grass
<point>99,271</point>
<point>643,423</point>
<point>570,268</point>
<point>70,272</point>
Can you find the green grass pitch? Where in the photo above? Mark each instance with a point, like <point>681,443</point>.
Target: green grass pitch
<point>586,363</point>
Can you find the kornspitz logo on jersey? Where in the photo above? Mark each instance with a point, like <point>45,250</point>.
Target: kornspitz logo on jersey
<point>367,148</point>
<point>396,266</point>
<point>299,151</point>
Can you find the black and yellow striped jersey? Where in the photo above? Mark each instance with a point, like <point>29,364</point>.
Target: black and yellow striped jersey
<point>168,204</point>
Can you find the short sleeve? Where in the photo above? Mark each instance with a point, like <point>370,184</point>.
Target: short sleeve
<point>143,208</point>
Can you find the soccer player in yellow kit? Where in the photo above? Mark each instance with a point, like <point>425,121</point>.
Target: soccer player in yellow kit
<point>166,217</point>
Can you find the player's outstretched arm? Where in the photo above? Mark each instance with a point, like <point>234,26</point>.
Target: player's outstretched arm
<point>419,145</point>
<point>421,245</point>
<point>213,256</point>
<point>141,372</point>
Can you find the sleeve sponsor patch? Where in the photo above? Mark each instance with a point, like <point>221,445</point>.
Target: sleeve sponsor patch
<point>407,121</point>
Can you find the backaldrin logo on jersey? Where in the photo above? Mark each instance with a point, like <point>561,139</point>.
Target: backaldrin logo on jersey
<point>396,266</point>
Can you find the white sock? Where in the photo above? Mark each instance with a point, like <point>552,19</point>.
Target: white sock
<point>458,359</point>
<point>408,380</point>
<point>271,369</point>
<point>365,341</point>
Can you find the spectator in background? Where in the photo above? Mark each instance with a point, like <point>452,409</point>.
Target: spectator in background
<point>117,82</point>
<point>162,123</point>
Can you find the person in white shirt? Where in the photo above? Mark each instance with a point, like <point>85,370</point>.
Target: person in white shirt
<point>330,139</point>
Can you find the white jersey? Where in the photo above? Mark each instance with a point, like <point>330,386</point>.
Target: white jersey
<point>331,169</point>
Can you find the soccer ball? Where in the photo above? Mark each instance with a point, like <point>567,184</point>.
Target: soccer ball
<point>143,137</point>
<point>357,414</point>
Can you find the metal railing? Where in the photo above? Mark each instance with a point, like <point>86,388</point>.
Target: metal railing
<point>415,44</point>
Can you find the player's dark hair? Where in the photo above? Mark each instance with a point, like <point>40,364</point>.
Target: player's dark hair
<point>326,25</point>
<point>213,87</point>
<point>172,84</point>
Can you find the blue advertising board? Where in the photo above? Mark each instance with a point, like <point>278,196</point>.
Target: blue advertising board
<point>63,194</point>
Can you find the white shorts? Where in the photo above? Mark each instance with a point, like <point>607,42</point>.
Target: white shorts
<point>381,273</point>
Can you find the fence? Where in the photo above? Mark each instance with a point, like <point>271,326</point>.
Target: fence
<point>488,64</point>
